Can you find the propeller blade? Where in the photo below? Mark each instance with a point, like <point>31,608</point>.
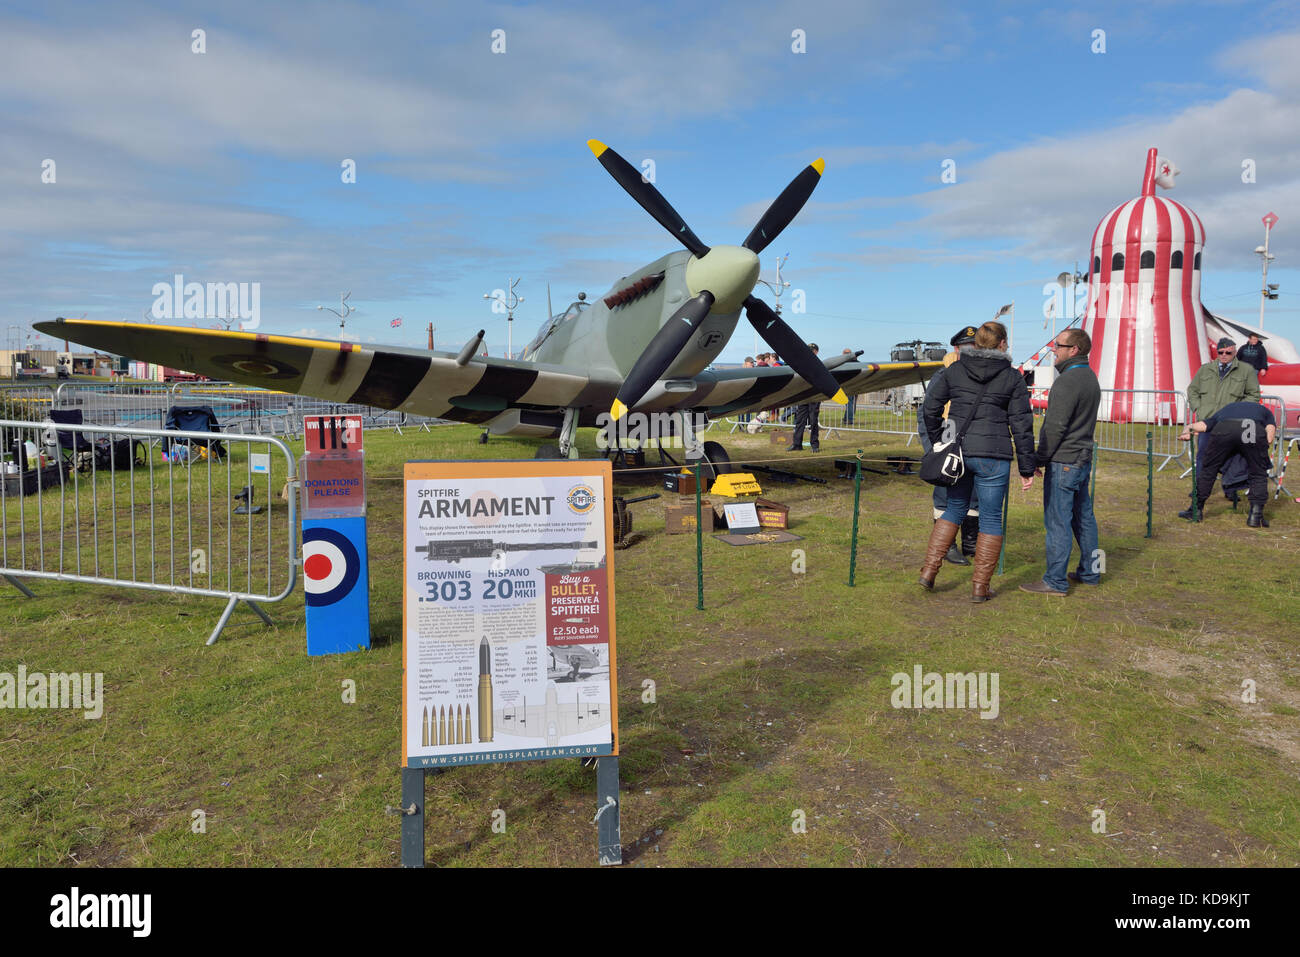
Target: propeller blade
<point>774,331</point>
<point>651,200</point>
<point>661,352</point>
<point>785,207</point>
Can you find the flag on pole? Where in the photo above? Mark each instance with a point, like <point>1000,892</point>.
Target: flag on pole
<point>1165,172</point>
<point>396,322</point>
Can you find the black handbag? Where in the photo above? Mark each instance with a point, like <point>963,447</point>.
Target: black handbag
<point>944,464</point>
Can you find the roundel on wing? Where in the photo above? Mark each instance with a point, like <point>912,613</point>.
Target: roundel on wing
<point>261,367</point>
<point>330,565</point>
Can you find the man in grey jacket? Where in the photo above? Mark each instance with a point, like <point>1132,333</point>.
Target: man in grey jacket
<point>1064,458</point>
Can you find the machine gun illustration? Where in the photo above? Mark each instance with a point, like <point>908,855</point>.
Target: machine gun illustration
<point>457,548</point>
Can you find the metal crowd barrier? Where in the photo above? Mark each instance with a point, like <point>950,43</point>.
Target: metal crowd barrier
<point>78,504</point>
<point>864,413</point>
<point>1127,415</point>
<point>240,409</point>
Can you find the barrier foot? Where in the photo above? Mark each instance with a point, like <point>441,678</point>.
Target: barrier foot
<point>225,618</point>
<point>23,588</point>
<point>261,614</point>
<point>609,845</point>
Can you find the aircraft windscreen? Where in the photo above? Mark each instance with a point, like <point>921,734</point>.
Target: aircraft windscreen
<point>550,325</point>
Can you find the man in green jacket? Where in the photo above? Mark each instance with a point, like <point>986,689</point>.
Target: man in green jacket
<point>1216,384</point>
<point>1221,383</point>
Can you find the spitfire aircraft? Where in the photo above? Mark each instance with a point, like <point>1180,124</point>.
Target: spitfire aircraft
<point>645,346</point>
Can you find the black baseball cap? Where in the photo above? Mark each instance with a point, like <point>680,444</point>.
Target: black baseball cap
<point>1226,343</point>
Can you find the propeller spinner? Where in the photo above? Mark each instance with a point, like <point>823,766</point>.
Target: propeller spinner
<point>724,276</point>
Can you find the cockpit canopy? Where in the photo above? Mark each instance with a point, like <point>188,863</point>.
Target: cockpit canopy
<point>575,309</point>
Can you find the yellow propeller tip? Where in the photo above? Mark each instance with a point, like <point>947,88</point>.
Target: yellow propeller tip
<point>596,147</point>
<point>840,398</point>
<point>819,165</point>
<point>617,410</point>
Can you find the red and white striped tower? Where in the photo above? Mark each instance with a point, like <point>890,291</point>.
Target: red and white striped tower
<point>1144,299</point>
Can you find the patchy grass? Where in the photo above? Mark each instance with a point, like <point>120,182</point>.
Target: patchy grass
<point>770,705</point>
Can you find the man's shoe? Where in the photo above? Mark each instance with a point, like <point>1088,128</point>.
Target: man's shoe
<point>1187,514</point>
<point>1042,588</point>
<point>942,536</point>
<point>815,448</point>
<point>955,556</point>
<point>1256,517</point>
<point>795,448</point>
<point>1074,577</point>
<point>987,549</point>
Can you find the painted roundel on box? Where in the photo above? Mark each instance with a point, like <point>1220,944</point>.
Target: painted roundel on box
<point>330,566</point>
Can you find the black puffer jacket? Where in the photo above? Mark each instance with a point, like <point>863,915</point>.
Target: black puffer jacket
<point>1003,412</point>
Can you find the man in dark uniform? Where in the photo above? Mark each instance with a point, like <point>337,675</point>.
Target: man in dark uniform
<point>1253,353</point>
<point>805,417</point>
<point>970,525</point>
<point>1239,428</point>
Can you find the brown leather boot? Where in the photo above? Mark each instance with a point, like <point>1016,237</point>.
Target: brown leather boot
<point>942,536</point>
<point>987,549</point>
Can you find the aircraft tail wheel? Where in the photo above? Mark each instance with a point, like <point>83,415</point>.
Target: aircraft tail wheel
<point>548,451</point>
<point>716,461</point>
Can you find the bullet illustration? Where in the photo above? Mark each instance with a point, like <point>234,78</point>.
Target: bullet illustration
<point>484,691</point>
<point>424,728</point>
<point>469,730</point>
<point>442,725</point>
<point>460,726</point>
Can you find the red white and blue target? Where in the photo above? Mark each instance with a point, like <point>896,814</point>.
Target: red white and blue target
<point>330,565</point>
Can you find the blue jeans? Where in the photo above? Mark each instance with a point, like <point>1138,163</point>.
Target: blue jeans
<point>988,478</point>
<point>1067,515</point>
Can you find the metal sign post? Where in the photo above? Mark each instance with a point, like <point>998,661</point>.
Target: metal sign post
<point>508,626</point>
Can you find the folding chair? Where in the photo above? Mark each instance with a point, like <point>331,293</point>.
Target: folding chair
<point>71,444</point>
<point>194,418</point>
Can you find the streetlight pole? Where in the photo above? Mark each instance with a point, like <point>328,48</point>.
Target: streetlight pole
<point>1266,292</point>
<point>343,316</point>
<point>510,301</point>
<point>776,291</point>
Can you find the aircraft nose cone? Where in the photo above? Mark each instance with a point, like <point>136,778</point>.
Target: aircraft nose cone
<point>729,272</point>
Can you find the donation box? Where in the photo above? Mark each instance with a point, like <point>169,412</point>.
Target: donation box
<point>334,561</point>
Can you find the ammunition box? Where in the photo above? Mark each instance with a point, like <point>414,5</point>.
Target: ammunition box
<point>780,437</point>
<point>679,517</point>
<point>772,514</point>
<point>681,482</point>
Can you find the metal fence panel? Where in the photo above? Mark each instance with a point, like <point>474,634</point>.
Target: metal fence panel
<point>145,508</point>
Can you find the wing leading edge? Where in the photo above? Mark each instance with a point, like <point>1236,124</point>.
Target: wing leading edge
<point>414,381</point>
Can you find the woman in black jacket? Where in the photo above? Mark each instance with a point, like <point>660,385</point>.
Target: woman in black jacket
<point>1003,413</point>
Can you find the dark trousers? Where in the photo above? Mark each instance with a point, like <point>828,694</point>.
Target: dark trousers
<point>805,417</point>
<point>1218,447</point>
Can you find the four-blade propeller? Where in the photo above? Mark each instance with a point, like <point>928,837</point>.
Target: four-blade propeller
<point>651,365</point>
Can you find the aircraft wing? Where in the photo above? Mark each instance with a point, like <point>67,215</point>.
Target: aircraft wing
<point>389,377</point>
<point>727,391</point>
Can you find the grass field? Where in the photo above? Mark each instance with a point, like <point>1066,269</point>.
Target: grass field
<point>771,705</point>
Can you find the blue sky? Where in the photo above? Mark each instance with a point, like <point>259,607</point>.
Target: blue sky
<point>472,166</point>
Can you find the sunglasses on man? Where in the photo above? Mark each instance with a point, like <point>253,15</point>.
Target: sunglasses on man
<point>1226,352</point>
